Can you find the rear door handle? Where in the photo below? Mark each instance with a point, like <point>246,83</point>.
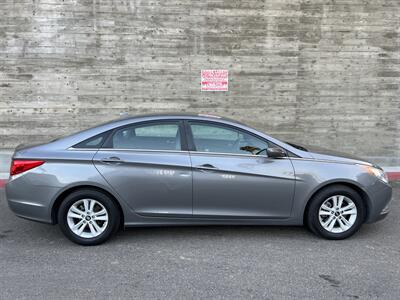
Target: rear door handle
<point>207,167</point>
<point>111,160</point>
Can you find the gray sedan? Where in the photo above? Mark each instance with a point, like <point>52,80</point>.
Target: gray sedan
<point>163,170</point>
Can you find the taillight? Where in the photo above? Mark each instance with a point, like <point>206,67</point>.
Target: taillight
<point>20,166</point>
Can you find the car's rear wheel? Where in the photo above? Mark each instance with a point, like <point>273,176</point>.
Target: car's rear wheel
<point>336,212</point>
<point>88,217</point>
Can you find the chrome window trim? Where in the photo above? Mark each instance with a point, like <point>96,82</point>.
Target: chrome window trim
<point>170,151</point>
<point>141,150</point>
<point>228,154</point>
<point>82,149</point>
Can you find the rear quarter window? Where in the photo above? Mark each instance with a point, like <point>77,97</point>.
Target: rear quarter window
<point>93,142</point>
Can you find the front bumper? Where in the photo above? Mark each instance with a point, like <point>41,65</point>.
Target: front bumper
<point>380,197</point>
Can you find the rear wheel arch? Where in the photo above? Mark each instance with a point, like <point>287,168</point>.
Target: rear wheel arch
<point>364,196</point>
<point>60,198</point>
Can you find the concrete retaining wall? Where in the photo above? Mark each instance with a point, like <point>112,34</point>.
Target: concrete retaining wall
<point>323,72</point>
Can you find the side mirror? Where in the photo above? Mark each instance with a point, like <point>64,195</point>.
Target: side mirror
<point>276,153</point>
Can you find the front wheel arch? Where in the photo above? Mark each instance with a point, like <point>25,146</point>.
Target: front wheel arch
<point>364,196</point>
<point>64,194</point>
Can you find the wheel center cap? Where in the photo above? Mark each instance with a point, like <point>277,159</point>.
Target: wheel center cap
<point>337,214</point>
<point>88,218</point>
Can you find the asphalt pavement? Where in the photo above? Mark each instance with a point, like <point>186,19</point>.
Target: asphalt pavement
<point>225,262</point>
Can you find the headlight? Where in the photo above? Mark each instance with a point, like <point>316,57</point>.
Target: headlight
<point>377,173</point>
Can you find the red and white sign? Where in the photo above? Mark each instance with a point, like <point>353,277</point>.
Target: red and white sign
<point>214,80</point>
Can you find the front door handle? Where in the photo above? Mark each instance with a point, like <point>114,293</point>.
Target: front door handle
<point>207,167</point>
<point>111,160</point>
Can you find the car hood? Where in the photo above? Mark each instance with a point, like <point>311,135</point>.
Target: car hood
<point>321,153</point>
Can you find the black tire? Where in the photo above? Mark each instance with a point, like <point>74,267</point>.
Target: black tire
<point>312,213</point>
<point>113,216</point>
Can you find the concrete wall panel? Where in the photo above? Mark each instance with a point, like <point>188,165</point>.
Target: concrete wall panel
<point>323,72</point>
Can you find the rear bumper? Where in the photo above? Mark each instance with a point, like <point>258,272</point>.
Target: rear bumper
<point>379,204</point>
<point>33,203</point>
<point>29,211</point>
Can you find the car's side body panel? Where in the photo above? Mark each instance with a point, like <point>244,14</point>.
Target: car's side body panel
<point>242,186</point>
<point>312,175</point>
<point>53,178</point>
<point>153,183</point>
<point>48,181</point>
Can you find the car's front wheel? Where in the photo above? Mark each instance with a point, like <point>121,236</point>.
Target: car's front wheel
<point>88,217</point>
<point>336,212</point>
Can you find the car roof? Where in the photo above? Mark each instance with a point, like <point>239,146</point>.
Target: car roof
<point>156,116</point>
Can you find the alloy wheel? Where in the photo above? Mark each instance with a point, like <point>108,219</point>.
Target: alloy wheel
<point>87,218</point>
<point>337,214</point>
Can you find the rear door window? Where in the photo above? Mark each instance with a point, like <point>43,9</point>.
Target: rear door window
<point>148,136</point>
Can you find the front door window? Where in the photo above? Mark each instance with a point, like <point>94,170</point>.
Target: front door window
<point>215,138</point>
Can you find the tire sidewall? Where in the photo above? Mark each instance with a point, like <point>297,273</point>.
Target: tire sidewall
<point>113,215</point>
<point>321,197</point>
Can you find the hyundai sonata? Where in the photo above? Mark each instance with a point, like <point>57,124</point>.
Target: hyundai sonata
<point>162,170</point>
